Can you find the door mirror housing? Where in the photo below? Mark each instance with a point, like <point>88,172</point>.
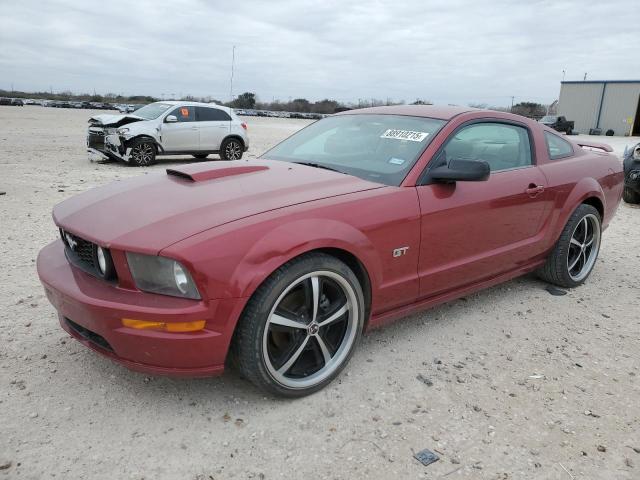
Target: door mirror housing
<point>461,171</point>
<point>171,119</point>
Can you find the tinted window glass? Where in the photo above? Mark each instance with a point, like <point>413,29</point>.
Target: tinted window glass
<point>502,146</point>
<point>378,148</point>
<point>205,114</point>
<point>557,147</point>
<point>184,114</point>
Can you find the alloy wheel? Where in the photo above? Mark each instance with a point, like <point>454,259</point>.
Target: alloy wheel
<point>142,154</point>
<point>233,150</point>
<point>310,329</point>
<point>583,248</point>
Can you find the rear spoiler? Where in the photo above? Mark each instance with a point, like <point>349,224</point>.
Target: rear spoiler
<point>590,144</point>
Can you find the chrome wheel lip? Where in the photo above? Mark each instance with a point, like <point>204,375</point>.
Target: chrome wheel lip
<point>338,359</point>
<point>588,249</point>
<point>233,150</point>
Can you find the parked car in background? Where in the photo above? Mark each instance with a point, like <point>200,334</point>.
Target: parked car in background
<point>631,164</point>
<point>558,123</point>
<point>5,101</point>
<point>17,102</point>
<point>168,128</point>
<point>359,219</point>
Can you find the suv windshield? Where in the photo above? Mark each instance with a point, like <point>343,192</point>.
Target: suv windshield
<point>548,119</point>
<point>152,111</point>
<point>378,148</point>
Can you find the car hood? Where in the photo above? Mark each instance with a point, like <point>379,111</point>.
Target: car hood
<point>151,212</point>
<point>109,120</point>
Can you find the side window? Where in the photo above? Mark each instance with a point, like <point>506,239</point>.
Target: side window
<point>557,147</point>
<point>207,114</point>
<point>184,114</point>
<point>502,146</point>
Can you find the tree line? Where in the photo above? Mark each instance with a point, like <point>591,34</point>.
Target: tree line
<point>250,101</point>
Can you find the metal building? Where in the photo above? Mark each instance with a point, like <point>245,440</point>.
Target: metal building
<point>602,104</point>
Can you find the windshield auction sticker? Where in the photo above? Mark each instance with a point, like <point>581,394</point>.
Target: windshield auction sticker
<point>405,135</point>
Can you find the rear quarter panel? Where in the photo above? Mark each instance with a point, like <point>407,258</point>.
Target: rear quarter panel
<point>573,180</point>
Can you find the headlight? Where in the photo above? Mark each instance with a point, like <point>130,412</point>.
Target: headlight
<point>161,275</point>
<point>122,131</point>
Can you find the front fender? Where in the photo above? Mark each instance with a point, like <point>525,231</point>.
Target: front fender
<point>297,237</point>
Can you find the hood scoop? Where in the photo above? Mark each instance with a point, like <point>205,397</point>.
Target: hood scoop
<point>201,173</point>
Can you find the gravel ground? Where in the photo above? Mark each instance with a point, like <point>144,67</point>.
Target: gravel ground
<point>514,383</point>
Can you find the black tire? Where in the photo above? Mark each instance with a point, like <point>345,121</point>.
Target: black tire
<point>254,334</point>
<point>231,149</point>
<point>557,269</point>
<point>630,196</point>
<point>143,153</point>
<point>200,156</point>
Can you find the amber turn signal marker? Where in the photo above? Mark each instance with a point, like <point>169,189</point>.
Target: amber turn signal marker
<point>164,326</point>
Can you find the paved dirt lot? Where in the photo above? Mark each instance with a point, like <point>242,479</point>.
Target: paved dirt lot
<point>524,384</point>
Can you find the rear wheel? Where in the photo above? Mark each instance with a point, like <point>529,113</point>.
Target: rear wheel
<point>301,326</point>
<point>572,259</point>
<point>143,153</point>
<point>231,149</point>
<point>630,196</point>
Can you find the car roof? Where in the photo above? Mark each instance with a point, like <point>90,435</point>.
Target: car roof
<point>195,104</point>
<point>430,111</point>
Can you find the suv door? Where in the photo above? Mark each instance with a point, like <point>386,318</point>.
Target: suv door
<point>214,126</point>
<point>476,230</point>
<point>183,135</point>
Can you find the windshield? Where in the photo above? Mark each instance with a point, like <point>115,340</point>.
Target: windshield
<point>548,119</point>
<point>152,111</point>
<point>379,148</point>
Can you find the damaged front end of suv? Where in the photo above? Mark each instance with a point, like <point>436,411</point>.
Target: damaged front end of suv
<point>108,138</point>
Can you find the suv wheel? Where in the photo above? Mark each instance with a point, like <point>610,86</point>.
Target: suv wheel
<point>143,153</point>
<point>231,149</point>
<point>301,326</point>
<point>630,196</point>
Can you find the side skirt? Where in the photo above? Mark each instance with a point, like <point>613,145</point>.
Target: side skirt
<point>391,316</point>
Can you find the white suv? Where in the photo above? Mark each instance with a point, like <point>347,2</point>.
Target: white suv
<point>167,128</point>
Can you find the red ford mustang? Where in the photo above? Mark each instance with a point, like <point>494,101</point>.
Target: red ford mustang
<point>358,219</point>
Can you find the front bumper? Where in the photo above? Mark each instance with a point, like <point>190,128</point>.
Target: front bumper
<point>91,311</point>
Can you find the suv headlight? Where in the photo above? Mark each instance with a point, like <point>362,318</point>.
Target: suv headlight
<point>122,130</point>
<point>161,275</point>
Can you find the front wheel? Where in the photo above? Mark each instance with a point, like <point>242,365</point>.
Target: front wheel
<point>572,259</point>
<point>143,153</point>
<point>231,149</point>
<point>301,326</point>
<point>630,196</point>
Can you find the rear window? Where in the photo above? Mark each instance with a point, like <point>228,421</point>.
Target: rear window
<point>206,114</point>
<point>557,147</point>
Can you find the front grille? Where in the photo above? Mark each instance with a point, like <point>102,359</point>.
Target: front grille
<point>89,335</point>
<point>95,139</point>
<point>82,254</point>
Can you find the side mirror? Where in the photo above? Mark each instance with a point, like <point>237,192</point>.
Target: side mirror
<point>171,119</point>
<point>461,171</point>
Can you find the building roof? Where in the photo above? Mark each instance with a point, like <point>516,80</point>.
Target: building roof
<point>600,81</point>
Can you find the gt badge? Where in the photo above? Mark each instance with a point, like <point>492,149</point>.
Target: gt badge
<point>398,252</point>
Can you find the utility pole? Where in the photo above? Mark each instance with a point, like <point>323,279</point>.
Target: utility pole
<point>233,61</point>
<point>563,73</point>
<point>512,97</point>
<point>585,77</point>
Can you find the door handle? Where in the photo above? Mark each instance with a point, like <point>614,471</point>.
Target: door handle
<point>534,189</point>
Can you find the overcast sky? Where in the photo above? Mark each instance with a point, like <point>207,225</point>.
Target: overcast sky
<point>447,52</point>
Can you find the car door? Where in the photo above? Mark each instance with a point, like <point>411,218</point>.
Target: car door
<point>472,231</point>
<point>214,125</point>
<point>181,135</point>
